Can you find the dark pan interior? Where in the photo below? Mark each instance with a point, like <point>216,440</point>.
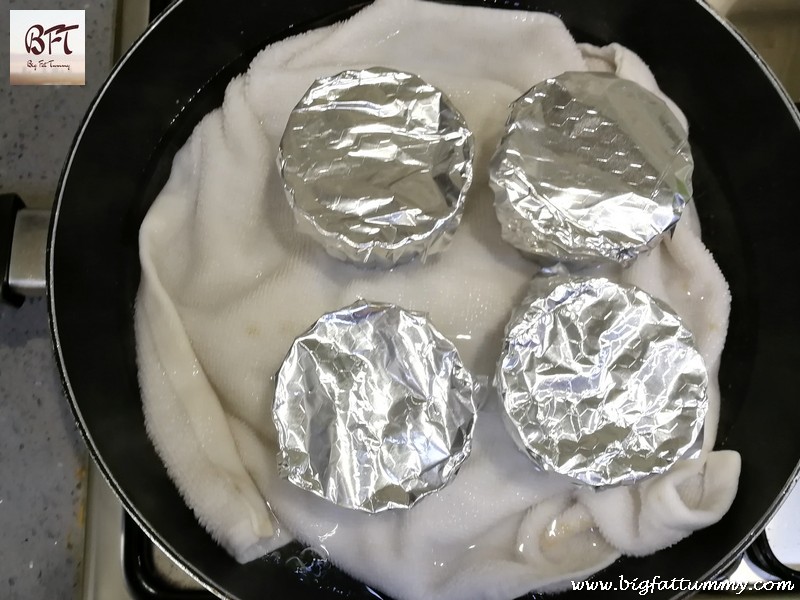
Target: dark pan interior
<point>746,143</point>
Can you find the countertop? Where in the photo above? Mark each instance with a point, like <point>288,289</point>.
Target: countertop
<point>42,456</point>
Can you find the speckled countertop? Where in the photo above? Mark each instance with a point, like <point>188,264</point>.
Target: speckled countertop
<point>42,457</point>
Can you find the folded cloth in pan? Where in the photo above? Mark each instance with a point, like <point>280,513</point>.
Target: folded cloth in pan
<point>227,284</point>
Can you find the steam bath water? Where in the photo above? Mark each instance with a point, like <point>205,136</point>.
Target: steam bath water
<point>227,284</point>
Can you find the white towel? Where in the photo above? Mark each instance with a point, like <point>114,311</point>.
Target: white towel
<point>227,285</point>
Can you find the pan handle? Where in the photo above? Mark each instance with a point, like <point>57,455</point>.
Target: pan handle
<point>23,245</point>
<point>761,555</point>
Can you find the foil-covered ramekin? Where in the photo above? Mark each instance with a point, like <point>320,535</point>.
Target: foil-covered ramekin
<point>592,168</point>
<point>600,382</point>
<point>374,408</point>
<point>376,165</point>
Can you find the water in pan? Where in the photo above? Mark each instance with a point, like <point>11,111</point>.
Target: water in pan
<point>311,559</point>
<point>310,564</point>
<point>468,296</point>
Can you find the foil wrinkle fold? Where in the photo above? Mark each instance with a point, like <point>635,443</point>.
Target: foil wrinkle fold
<point>592,168</point>
<point>600,381</point>
<point>373,408</point>
<point>376,165</point>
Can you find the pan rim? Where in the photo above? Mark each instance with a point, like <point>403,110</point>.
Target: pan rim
<point>794,478</point>
<point>130,509</point>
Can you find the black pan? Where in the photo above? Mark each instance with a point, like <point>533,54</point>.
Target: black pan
<point>746,142</point>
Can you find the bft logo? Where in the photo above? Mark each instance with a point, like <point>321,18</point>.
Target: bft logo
<point>48,47</point>
<point>35,40</point>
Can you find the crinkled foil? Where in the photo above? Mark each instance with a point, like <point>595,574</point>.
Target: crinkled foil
<point>374,408</point>
<point>592,168</point>
<point>600,381</point>
<point>376,165</point>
